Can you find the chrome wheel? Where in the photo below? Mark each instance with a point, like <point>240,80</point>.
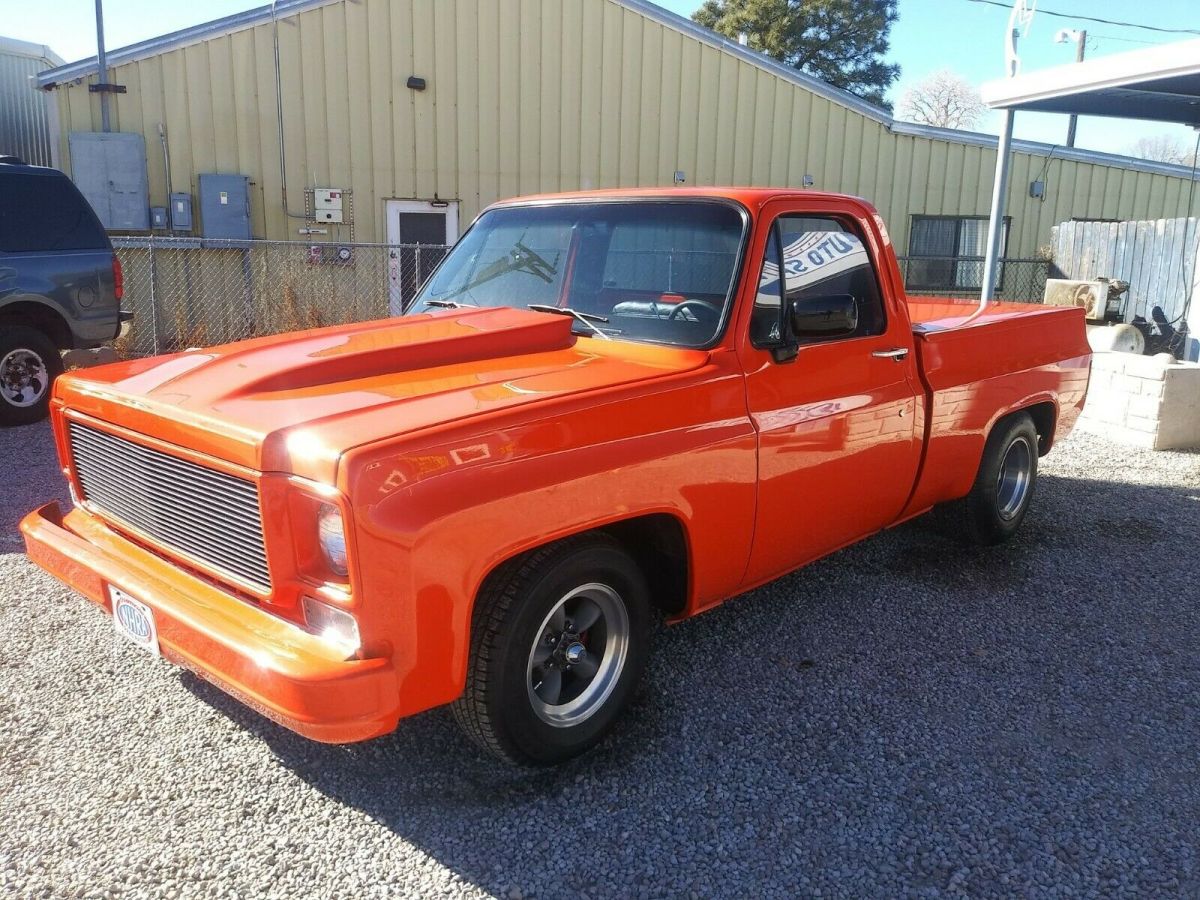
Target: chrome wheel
<point>24,379</point>
<point>578,655</point>
<point>1014,478</point>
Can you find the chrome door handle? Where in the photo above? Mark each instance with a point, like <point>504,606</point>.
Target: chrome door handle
<point>896,353</point>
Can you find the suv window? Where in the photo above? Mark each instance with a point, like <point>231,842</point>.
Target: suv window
<point>46,212</point>
<point>818,257</point>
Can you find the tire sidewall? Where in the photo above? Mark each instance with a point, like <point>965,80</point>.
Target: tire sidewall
<point>22,337</point>
<point>521,728</point>
<point>989,524</point>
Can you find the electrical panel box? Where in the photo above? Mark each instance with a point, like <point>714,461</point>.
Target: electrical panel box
<point>181,212</point>
<point>225,206</point>
<point>327,205</point>
<point>158,217</point>
<point>110,171</point>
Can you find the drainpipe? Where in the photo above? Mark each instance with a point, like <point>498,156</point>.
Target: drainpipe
<point>102,62</point>
<point>166,151</point>
<point>279,120</point>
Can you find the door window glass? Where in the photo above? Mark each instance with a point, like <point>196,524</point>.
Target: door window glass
<point>822,257</point>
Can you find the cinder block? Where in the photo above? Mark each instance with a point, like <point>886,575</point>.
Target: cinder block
<point>1107,361</point>
<point>1152,367</point>
<point>1127,384</point>
<point>1142,424</point>
<point>1179,415</point>
<point>1152,388</point>
<point>1143,406</point>
<point>1140,439</point>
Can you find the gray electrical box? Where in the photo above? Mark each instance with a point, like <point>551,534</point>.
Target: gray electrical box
<point>181,212</point>
<point>158,217</point>
<point>225,206</point>
<point>110,171</point>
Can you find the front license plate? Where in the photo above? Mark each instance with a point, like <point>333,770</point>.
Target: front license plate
<point>134,619</point>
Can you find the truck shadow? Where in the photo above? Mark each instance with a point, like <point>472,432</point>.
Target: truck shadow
<point>33,479</point>
<point>837,697</point>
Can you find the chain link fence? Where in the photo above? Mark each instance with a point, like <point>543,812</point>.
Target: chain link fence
<point>189,293</point>
<point>1020,280</point>
<point>185,292</point>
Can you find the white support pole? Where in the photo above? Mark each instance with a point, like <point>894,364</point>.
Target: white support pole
<point>991,262</point>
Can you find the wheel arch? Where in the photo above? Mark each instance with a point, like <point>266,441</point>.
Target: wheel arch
<point>1043,411</point>
<point>657,542</point>
<point>41,316</point>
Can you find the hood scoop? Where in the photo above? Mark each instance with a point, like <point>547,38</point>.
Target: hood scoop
<point>411,344</point>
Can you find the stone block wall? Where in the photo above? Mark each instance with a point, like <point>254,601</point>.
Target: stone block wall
<point>1144,401</point>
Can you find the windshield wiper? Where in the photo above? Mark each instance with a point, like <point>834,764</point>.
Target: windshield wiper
<point>586,318</point>
<point>444,304</point>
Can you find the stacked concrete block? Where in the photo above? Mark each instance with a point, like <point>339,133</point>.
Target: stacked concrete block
<point>1144,401</point>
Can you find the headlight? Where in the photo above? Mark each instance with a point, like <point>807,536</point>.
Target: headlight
<point>335,626</point>
<point>331,534</point>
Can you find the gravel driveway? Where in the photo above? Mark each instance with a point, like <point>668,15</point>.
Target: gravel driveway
<point>906,717</point>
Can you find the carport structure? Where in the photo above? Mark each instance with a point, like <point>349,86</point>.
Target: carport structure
<point>1160,84</point>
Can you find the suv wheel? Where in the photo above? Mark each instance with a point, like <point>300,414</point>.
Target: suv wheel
<point>29,363</point>
<point>558,643</point>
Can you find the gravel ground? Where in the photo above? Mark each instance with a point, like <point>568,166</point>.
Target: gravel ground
<point>907,717</point>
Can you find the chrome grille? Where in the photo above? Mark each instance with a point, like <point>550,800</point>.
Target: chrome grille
<point>208,515</point>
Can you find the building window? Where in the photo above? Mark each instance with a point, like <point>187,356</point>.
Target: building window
<point>946,252</point>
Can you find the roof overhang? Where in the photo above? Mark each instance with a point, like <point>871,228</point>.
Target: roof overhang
<point>1160,84</point>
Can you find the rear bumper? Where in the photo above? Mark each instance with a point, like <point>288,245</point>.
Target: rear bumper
<point>274,667</point>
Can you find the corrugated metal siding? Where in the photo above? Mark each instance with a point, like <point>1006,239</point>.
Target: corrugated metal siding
<point>24,110</point>
<point>545,95</point>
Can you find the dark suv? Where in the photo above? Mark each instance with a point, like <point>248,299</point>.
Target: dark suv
<point>60,284</point>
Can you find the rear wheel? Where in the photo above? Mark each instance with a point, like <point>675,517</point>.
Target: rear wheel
<point>558,644</point>
<point>29,363</point>
<point>1004,487</point>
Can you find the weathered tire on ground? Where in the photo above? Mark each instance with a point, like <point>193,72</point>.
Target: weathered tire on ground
<point>1004,486</point>
<point>29,363</point>
<point>526,642</point>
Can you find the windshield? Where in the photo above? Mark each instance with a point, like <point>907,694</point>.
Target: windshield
<point>644,271</point>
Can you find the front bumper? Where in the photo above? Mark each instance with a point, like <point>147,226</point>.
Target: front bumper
<point>269,664</point>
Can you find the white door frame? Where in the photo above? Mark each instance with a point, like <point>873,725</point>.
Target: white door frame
<point>391,216</point>
<point>393,208</point>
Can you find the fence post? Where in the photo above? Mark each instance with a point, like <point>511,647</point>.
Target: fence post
<point>153,298</point>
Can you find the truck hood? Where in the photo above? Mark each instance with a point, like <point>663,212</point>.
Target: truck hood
<point>295,403</point>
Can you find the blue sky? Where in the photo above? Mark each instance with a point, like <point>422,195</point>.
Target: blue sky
<point>964,36</point>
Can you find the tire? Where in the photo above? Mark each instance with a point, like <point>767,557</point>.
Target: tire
<point>522,633</point>
<point>29,363</point>
<point>1004,487</point>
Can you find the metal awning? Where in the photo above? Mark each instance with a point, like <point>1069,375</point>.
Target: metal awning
<point>1160,84</point>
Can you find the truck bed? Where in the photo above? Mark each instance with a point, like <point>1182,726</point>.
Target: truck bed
<point>1012,355</point>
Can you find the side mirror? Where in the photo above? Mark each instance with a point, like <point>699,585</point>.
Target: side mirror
<point>828,316</point>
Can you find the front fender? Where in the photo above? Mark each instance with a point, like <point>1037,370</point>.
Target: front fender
<point>435,517</point>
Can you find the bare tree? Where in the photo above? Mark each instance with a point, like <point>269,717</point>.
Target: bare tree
<point>1161,148</point>
<point>944,99</point>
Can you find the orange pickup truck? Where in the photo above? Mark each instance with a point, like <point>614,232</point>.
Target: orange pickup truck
<point>600,408</point>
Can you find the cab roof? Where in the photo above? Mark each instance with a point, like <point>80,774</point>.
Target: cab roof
<point>751,197</point>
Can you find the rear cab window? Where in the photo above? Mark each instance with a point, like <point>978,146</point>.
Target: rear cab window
<point>45,211</point>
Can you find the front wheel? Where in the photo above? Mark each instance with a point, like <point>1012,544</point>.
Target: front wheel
<point>29,363</point>
<point>1003,488</point>
<point>558,644</point>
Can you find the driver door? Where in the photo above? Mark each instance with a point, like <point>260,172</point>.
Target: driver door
<point>838,444</point>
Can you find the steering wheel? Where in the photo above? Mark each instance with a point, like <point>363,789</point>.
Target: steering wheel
<point>694,304</point>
